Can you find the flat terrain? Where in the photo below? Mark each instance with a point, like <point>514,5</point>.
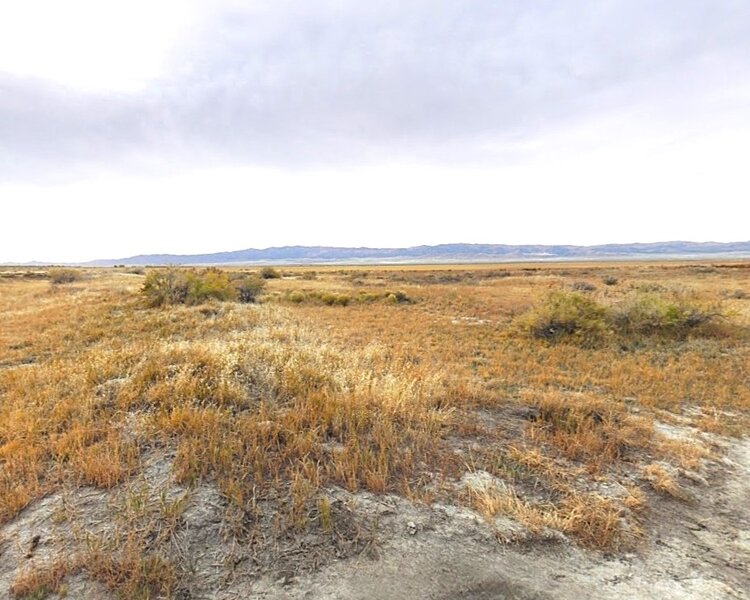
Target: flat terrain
<point>487,431</point>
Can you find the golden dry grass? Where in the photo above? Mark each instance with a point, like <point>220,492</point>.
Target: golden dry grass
<point>39,581</point>
<point>282,399</point>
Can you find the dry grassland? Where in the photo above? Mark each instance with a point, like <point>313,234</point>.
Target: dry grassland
<point>553,395</point>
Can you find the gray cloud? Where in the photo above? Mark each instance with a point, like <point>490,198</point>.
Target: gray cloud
<point>334,82</point>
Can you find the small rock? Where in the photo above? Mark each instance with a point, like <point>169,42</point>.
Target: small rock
<point>411,528</point>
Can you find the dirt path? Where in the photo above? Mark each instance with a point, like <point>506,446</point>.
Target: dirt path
<point>696,550</point>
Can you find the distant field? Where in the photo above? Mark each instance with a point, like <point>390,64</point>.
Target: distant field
<point>561,388</point>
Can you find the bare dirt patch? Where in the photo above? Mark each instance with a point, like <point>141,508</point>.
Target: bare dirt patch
<point>696,549</point>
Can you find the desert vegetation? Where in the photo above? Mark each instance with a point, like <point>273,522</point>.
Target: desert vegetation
<point>536,393</point>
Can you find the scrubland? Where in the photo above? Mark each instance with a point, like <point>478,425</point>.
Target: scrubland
<point>556,396</point>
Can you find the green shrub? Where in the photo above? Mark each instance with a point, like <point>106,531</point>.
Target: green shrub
<point>650,314</point>
<point>368,297</point>
<point>297,297</point>
<point>610,280</point>
<point>581,319</point>
<point>567,315</point>
<point>269,273</point>
<point>209,284</point>
<point>65,275</point>
<point>332,299</point>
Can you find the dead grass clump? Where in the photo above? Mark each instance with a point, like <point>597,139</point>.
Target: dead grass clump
<point>590,519</point>
<point>105,463</point>
<point>38,581</point>
<point>136,559</point>
<point>596,522</point>
<point>585,427</point>
<point>687,454</point>
<point>131,574</point>
<point>662,482</point>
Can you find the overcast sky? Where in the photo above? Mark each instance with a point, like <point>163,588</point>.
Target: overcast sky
<point>194,126</point>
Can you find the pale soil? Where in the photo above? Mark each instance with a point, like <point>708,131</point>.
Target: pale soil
<point>698,549</point>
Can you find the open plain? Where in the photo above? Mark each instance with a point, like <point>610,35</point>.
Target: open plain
<point>556,430</point>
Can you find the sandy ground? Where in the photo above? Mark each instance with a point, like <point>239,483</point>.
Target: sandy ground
<point>695,550</point>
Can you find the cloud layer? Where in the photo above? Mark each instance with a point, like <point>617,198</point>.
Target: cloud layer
<point>339,82</point>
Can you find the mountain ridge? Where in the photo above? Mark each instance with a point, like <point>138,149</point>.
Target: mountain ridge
<point>436,253</point>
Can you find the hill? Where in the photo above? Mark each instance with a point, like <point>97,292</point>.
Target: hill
<point>440,253</point>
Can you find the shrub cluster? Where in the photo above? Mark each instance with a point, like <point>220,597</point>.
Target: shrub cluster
<point>65,275</point>
<point>650,314</point>
<point>338,299</point>
<point>270,273</point>
<point>191,286</point>
<point>580,318</point>
<point>566,315</point>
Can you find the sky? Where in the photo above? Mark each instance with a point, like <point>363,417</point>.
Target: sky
<point>195,126</point>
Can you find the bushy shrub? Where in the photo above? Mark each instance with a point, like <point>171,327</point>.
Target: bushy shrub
<point>581,319</point>
<point>332,299</point>
<point>398,297</point>
<point>650,314</point>
<point>610,280</point>
<point>165,286</point>
<point>209,284</point>
<point>190,286</point>
<point>269,273</point>
<point>567,315</point>
<point>65,275</point>
<point>368,297</point>
<point>248,287</point>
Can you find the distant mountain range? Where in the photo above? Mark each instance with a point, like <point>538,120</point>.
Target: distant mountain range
<point>444,253</point>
